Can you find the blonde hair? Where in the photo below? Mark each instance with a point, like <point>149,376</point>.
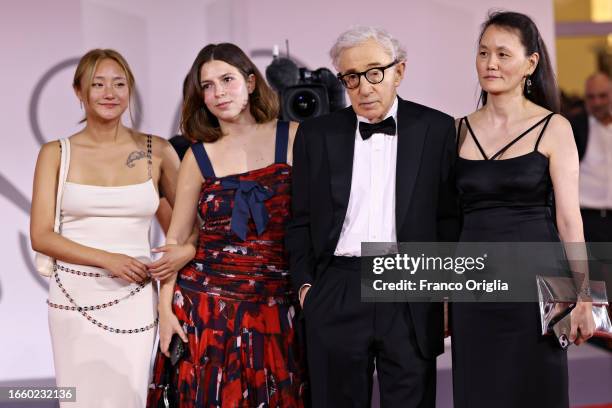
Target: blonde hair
<point>83,76</point>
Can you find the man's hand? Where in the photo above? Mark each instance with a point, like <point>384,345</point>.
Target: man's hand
<point>302,295</point>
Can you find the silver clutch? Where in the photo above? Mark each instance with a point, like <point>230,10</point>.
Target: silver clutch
<point>557,298</point>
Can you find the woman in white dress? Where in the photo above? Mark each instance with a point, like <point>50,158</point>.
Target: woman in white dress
<point>102,303</point>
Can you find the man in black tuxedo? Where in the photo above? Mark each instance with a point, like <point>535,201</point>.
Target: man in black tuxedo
<point>593,134</point>
<point>377,171</point>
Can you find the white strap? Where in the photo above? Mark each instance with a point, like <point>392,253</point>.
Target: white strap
<point>63,174</point>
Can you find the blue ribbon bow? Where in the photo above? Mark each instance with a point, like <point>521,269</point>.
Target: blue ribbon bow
<point>248,200</point>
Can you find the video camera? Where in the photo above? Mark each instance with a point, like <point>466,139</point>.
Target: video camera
<point>304,93</point>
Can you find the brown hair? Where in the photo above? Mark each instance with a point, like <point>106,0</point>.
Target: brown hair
<point>197,122</point>
<point>83,76</point>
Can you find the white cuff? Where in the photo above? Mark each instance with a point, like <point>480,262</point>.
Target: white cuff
<point>306,285</point>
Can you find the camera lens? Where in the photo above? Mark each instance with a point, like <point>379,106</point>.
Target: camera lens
<point>304,101</point>
<point>304,104</point>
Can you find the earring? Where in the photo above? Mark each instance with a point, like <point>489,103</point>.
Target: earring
<point>528,85</point>
<point>81,103</point>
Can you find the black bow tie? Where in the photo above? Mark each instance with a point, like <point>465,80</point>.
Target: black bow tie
<point>387,127</point>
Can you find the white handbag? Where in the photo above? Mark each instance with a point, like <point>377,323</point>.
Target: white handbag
<point>44,264</point>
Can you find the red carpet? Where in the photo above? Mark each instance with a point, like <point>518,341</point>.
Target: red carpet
<point>596,406</point>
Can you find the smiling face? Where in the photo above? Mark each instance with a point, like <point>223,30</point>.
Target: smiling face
<point>108,95</point>
<point>501,62</point>
<point>371,101</point>
<point>225,90</point>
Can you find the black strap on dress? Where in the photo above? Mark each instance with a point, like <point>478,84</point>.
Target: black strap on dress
<point>545,119</point>
<point>280,150</point>
<point>282,142</point>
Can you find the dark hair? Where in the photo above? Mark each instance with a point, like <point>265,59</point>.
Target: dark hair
<point>197,122</point>
<point>185,85</point>
<point>544,91</point>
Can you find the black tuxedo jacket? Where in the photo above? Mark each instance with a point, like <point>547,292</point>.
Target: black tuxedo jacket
<point>580,127</point>
<point>426,202</point>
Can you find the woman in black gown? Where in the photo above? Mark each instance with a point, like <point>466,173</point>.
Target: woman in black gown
<point>513,152</point>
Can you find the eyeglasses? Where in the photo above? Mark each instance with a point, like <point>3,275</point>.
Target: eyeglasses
<point>373,75</point>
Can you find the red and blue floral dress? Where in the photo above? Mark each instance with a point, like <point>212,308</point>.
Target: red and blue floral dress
<point>234,299</point>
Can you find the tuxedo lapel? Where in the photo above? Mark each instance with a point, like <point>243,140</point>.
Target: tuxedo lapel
<point>340,150</point>
<point>411,132</point>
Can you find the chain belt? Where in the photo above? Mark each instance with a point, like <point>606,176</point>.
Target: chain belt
<point>84,309</point>
<point>81,273</point>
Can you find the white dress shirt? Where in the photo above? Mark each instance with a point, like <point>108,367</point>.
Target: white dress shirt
<point>596,167</point>
<point>370,215</point>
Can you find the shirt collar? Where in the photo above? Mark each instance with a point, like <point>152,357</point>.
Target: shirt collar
<point>392,112</point>
<point>595,123</point>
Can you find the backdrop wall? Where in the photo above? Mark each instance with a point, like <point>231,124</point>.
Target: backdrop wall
<point>41,42</point>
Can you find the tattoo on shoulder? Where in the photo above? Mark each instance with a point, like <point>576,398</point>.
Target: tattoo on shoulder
<point>132,157</point>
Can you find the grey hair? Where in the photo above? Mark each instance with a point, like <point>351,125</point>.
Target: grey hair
<point>360,34</point>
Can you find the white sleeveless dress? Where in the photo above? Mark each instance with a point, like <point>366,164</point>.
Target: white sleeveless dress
<point>105,350</point>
